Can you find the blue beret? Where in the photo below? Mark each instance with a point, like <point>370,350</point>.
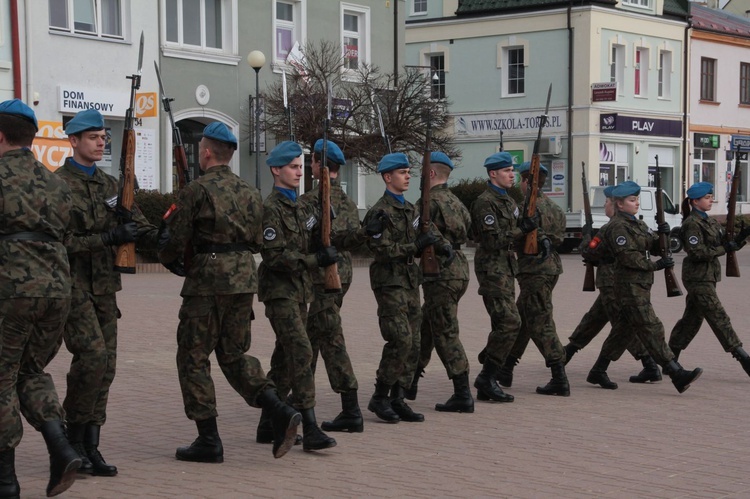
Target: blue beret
<point>393,161</point>
<point>700,189</point>
<point>526,166</point>
<point>626,189</point>
<point>284,153</point>
<point>441,157</point>
<point>608,191</point>
<point>219,131</point>
<point>16,107</point>
<point>498,160</point>
<point>90,119</point>
<point>333,152</point>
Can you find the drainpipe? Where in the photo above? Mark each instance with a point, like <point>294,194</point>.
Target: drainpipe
<point>570,106</point>
<point>15,35</point>
<point>685,101</point>
<point>29,57</point>
<point>395,43</point>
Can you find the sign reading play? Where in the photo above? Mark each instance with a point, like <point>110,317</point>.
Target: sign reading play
<point>615,123</point>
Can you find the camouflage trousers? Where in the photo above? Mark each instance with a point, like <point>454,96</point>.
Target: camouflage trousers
<point>537,321</point>
<point>30,330</point>
<point>91,336</point>
<point>399,316</point>
<point>606,310</point>
<point>327,337</point>
<point>219,324</point>
<point>440,326</point>
<point>500,303</point>
<point>702,302</point>
<point>291,361</point>
<point>637,315</point>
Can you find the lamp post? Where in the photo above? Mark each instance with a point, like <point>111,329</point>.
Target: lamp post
<point>256,60</point>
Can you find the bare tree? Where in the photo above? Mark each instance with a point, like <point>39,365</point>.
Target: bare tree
<point>354,119</point>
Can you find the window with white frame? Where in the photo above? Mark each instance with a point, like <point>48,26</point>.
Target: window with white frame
<point>288,27</point>
<point>614,163</point>
<point>617,66</point>
<point>355,29</point>
<point>200,26</point>
<point>708,79</point>
<point>665,74</point>
<point>96,18</point>
<point>437,80</point>
<point>641,72</point>
<point>744,83</point>
<point>704,165</point>
<point>637,3</point>
<point>516,73</point>
<point>419,7</point>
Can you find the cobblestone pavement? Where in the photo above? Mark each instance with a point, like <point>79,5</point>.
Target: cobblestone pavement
<point>636,441</point>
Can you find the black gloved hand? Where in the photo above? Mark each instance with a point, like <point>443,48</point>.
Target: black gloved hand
<point>163,238</point>
<point>528,224</point>
<point>121,234</point>
<point>448,252</point>
<point>376,225</point>
<point>663,228</point>
<point>176,267</point>
<point>545,248</point>
<point>327,256</point>
<point>664,262</point>
<point>731,246</point>
<point>423,240</point>
<point>744,232</point>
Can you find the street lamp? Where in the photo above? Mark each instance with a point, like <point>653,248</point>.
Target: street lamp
<point>256,60</point>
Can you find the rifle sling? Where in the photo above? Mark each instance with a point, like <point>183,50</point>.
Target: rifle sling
<point>28,236</point>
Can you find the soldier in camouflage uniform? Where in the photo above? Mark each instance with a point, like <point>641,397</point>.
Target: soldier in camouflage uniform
<point>537,277</point>
<point>442,293</point>
<point>606,309</point>
<point>219,216</point>
<point>631,241</point>
<point>286,289</point>
<point>703,239</point>
<point>395,279</point>
<point>34,299</point>
<point>496,229</point>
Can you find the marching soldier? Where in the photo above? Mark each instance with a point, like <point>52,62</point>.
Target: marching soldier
<point>34,299</point>
<point>219,216</point>
<point>702,237</point>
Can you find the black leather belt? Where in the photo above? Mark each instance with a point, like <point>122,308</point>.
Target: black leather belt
<point>222,248</point>
<point>28,236</point>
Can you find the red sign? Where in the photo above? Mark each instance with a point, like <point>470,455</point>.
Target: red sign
<point>606,91</point>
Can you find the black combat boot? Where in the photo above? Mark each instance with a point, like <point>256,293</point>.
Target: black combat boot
<point>505,372</point>
<point>264,433</point>
<point>558,385</point>
<point>650,372</point>
<point>380,404</point>
<point>676,352</point>
<point>63,459</point>
<point>598,374</point>
<point>284,421</point>
<point>570,351</point>
<point>91,444</point>
<point>75,433</point>
<point>461,400</point>
<point>350,417</point>
<point>312,436</point>
<point>486,384</point>
<point>405,413</point>
<point>9,488</point>
<point>411,392</point>
<point>742,356</point>
<point>206,448</point>
<point>681,379</point>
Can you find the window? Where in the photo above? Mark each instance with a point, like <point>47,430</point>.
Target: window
<point>289,27</point>
<point>641,72</point>
<point>97,18</point>
<point>617,66</point>
<point>351,41</point>
<point>419,7</point>
<point>516,71</point>
<point>437,79</point>
<point>745,83</point>
<point>708,79</point>
<point>636,3</point>
<point>355,29</point>
<point>665,75</point>
<point>704,166</point>
<point>614,161</point>
<point>201,29</point>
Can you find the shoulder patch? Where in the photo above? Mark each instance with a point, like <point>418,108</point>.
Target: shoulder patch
<point>621,240</point>
<point>489,219</point>
<point>311,222</point>
<point>516,212</point>
<point>693,240</point>
<point>415,223</point>
<point>172,209</point>
<point>111,202</point>
<point>269,233</point>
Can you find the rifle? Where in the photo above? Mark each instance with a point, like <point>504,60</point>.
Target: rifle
<point>532,189</point>
<point>673,287</point>
<point>428,260</point>
<point>287,107</point>
<point>178,148</point>
<point>589,281</point>
<point>733,267</point>
<point>125,257</point>
<point>386,140</point>
<point>332,279</point>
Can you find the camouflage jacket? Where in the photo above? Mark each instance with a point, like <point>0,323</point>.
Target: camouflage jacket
<point>631,241</point>
<point>552,226</point>
<point>453,220</point>
<point>494,218</point>
<point>217,209</point>
<point>600,254</point>
<point>344,229</point>
<point>702,238</point>
<point>285,271</point>
<point>91,261</point>
<point>394,248</point>
<point>32,199</point>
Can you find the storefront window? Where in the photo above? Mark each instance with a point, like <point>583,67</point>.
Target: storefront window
<point>704,165</point>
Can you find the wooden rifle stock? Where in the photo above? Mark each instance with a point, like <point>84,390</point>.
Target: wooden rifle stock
<point>673,286</point>
<point>589,280</point>
<point>530,246</point>
<point>332,278</point>
<point>428,259</point>
<point>733,266</point>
